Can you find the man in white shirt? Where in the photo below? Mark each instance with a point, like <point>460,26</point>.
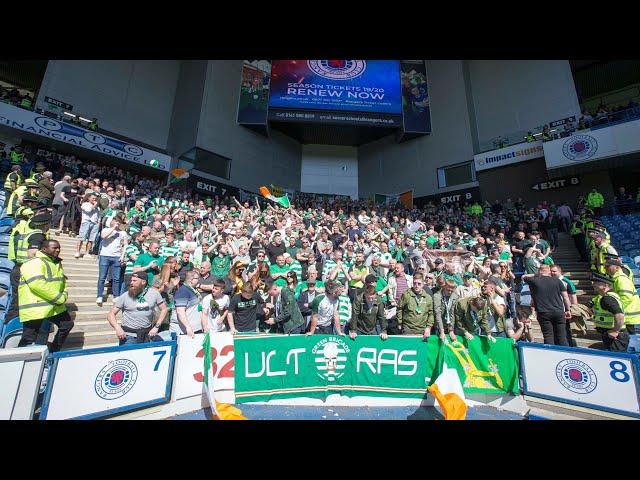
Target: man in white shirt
<point>89,224</point>
<point>497,308</point>
<point>111,258</point>
<point>214,308</point>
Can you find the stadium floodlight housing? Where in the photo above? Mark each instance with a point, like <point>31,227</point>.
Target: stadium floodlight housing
<point>70,114</point>
<point>85,119</point>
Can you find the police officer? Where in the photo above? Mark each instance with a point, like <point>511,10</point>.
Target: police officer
<point>367,314</point>
<point>36,173</point>
<point>42,295</point>
<point>595,200</point>
<point>608,314</point>
<point>25,240</point>
<point>577,232</point>
<point>14,180</point>
<point>623,286</point>
<point>601,251</point>
<point>17,157</point>
<point>15,200</point>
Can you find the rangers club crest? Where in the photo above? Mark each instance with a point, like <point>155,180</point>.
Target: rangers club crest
<point>580,147</point>
<point>116,379</point>
<point>576,376</point>
<point>330,358</point>
<point>337,69</point>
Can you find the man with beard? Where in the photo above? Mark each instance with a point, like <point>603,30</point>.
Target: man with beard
<point>138,304</point>
<point>42,294</point>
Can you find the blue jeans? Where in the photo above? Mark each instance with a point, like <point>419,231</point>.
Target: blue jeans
<point>104,264</point>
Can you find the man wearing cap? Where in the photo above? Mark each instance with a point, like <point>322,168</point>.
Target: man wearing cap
<point>623,286</point>
<point>415,310</point>
<point>14,180</point>
<point>42,295</point>
<point>25,240</point>
<point>468,287</point>
<point>138,306</point>
<point>29,187</point>
<point>608,314</point>
<point>602,250</point>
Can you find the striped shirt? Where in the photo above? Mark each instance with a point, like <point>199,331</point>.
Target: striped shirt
<point>169,251</point>
<point>344,309</point>
<point>402,286</point>
<point>329,265</point>
<point>131,249</point>
<point>296,267</point>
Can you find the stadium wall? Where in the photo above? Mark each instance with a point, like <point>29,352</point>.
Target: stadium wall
<point>329,169</point>
<point>186,106</point>
<point>385,166</point>
<point>511,96</point>
<point>133,98</point>
<point>256,160</point>
<point>516,180</point>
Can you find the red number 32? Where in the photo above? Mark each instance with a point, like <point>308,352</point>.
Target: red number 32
<point>227,369</point>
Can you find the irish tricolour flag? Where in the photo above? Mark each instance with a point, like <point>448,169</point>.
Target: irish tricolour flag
<point>223,411</point>
<point>282,201</point>
<point>449,393</point>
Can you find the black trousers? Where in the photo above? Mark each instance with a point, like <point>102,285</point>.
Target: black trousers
<point>581,246</point>
<point>13,307</point>
<point>57,214</point>
<point>554,328</point>
<point>31,329</point>
<point>619,344</point>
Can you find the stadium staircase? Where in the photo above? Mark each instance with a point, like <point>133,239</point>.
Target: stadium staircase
<point>566,255</point>
<point>91,328</point>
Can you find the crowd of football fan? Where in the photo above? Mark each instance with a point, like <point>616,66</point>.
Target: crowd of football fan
<point>189,265</point>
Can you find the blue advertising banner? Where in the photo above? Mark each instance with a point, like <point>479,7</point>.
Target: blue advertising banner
<point>368,86</point>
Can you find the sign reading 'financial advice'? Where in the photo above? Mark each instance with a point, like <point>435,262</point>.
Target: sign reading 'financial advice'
<point>277,367</point>
<point>37,124</point>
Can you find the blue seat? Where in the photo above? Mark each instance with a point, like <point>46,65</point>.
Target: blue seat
<point>6,221</point>
<point>4,304</point>
<point>11,333</point>
<point>5,281</point>
<point>4,251</point>
<point>6,265</point>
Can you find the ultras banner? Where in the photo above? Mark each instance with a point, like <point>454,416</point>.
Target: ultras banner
<point>277,367</point>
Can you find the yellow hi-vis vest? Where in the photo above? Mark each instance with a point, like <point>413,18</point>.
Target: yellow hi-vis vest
<point>20,245</point>
<point>7,183</point>
<point>13,199</point>
<point>576,228</point>
<point>14,238</point>
<point>624,287</point>
<point>42,291</point>
<point>601,317</point>
<point>599,255</point>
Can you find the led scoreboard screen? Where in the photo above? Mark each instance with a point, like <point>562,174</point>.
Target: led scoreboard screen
<point>362,92</point>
